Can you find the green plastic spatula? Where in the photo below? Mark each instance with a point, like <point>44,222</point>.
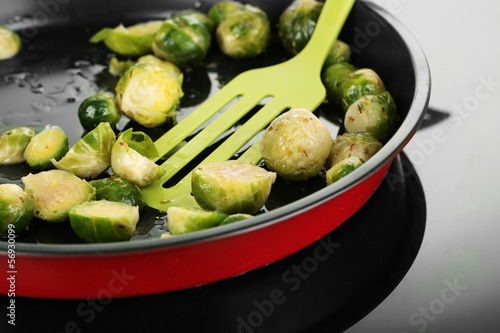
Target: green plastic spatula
<point>295,83</point>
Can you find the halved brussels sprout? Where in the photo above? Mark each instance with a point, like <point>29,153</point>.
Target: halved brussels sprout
<point>148,94</point>
<point>183,40</point>
<point>13,143</point>
<point>244,33</point>
<point>118,189</point>
<point>342,169</point>
<point>168,66</point>
<point>132,41</point>
<point>359,83</point>
<point>297,23</point>
<point>296,145</point>
<point>235,218</point>
<point>333,77</point>
<point>98,108</point>
<point>376,114</point>
<point>55,192</point>
<point>91,155</point>
<point>103,221</point>
<point>118,68</point>
<point>353,144</point>
<point>16,209</point>
<point>340,52</point>
<point>131,158</point>
<point>182,220</point>
<point>49,144</point>
<point>231,187</point>
<point>219,10</point>
<point>10,43</point>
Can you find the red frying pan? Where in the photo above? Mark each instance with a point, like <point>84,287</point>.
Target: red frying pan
<point>58,66</point>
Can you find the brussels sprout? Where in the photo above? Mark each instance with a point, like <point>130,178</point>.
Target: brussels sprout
<point>55,192</point>
<point>103,221</point>
<point>296,145</point>
<point>13,143</point>
<point>333,77</point>
<point>49,144</point>
<point>148,95</point>
<point>168,66</point>
<point>244,33</point>
<point>96,109</point>
<point>131,41</point>
<point>206,20</point>
<point>131,158</point>
<point>376,114</point>
<point>340,52</point>
<point>231,187</point>
<point>91,155</point>
<point>219,10</point>
<point>16,209</point>
<point>353,144</point>
<point>342,169</point>
<point>10,43</point>
<point>183,40</point>
<point>119,190</point>
<point>359,83</point>
<point>297,23</point>
<point>235,218</point>
<point>182,220</point>
<point>118,68</point>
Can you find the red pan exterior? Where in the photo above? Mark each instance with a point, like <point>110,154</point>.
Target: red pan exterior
<point>173,268</point>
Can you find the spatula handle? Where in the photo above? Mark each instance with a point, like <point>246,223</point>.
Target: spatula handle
<point>326,32</point>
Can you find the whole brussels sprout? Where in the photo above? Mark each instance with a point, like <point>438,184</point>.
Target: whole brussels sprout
<point>297,23</point>
<point>98,108</point>
<point>206,20</point>
<point>182,220</point>
<point>376,114</point>
<point>50,144</point>
<point>118,189</point>
<point>13,143</point>
<point>55,192</point>
<point>16,209</point>
<point>183,40</point>
<point>148,94</point>
<point>219,10</point>
<point>131,41</point>
<point>131,158</point>
<point>359,83</point>
<point>231,187</point>
<point>103,221</point>
<point>342,169</point>
<point>10,43</point>
<point>296,145</point>
<point>333,77</point>
<point>340,52</point>
<point>353,144</point>
<point>244,33</point>
<point>91,155</point>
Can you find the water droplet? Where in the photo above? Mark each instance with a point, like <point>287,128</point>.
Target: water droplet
<point>198,4</point>
<point>37,89</point>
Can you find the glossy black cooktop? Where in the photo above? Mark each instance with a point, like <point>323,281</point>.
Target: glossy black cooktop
<point>326,287</point>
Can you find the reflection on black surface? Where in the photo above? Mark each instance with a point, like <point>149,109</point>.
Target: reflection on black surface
<point>325,287</point>
<point>432,117</point>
